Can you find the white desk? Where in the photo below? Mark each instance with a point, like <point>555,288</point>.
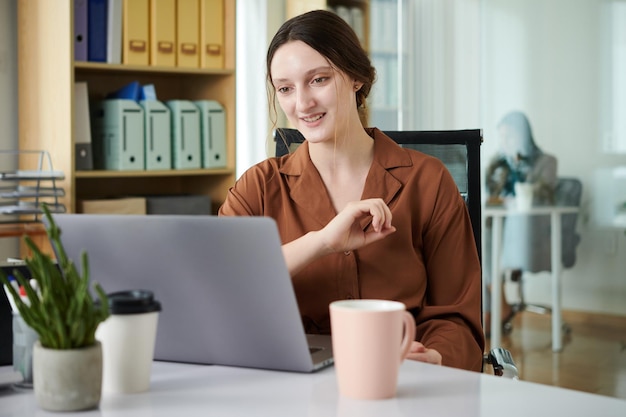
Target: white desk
<point>425,390</point>
<point>498,214</point>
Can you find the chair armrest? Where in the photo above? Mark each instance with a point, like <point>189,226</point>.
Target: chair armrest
<point>502,362</point>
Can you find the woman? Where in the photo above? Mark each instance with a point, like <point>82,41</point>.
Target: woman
<point>359,216</point>
<point>520,160</point>
<point>526,239</point>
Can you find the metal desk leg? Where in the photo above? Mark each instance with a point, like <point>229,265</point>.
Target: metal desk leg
<point>496,282</point>
<point>556,281</point>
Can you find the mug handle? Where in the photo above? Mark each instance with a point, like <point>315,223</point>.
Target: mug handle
<point>408,322</point>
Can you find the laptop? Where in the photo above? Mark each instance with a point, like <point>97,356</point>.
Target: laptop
<point>224,288</point>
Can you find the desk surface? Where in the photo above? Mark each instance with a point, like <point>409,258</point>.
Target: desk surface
<point>427,390</point>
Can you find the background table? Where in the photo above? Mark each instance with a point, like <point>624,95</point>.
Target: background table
<point>498,213</point>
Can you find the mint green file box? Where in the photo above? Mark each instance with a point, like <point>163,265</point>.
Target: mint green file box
<point>212,133</point>
<point>157,139</point>
<point>186,153</point>
<point>119,134</point>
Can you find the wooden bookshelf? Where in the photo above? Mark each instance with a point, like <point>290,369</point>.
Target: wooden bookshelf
<point>47,73</point>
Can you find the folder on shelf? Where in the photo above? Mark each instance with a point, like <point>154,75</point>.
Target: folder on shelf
<point>158,152</point>
<point>80,30</point>
<point>114,31</point>
<point>186,151</point>
<point>130,91</point>
<point>119,131</point>
<point>212,33</point>
<point>212,133</point>
<point>97,30</point>
<point>135,32</point>
<point>163,33</point>
<point>83,152</point>
<point>187,34</point>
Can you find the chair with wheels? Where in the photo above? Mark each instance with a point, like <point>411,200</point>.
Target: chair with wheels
<point>568,192</point>
<point>459,150</point>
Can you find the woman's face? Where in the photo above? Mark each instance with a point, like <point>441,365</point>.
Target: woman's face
<point>510,141</point>
<point>315,97</point>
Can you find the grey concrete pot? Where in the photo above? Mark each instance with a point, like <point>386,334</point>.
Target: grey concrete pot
<point>67,379</point>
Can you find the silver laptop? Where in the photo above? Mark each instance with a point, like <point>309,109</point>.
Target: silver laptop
<point>225,291</point>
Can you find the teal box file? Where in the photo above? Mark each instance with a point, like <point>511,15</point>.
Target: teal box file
<point>186,153</point>
<point>212,133</point>
<point>157,140</point>
<point>118,130</point>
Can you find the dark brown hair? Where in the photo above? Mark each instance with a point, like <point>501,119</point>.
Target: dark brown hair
<point>334,39</point>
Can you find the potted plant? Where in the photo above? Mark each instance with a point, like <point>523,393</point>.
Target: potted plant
<point>67,358</point>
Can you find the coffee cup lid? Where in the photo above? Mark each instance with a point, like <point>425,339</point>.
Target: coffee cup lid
<point>133,302</point>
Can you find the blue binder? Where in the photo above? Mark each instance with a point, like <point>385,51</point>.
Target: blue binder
<point>97,30</point>
<point>80,30</point>
<point>186,152</point>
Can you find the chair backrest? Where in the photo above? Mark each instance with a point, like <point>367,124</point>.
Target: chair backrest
<point>569,193</point>
<point>459,150</point>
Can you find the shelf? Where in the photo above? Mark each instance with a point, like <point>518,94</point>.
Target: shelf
<point>24,175</point>
<point>47,107</point>
<point>28,209</point>
<point>27,200</point>
<point>146,69</point>
<point>21,229</point>
<point>156,173</point>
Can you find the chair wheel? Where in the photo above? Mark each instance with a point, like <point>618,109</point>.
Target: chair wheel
<point>567,330</point>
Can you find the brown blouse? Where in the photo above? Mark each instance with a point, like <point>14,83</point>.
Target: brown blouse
<point>430,263</point>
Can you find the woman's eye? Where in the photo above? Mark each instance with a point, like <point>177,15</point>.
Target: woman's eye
<point>283,90</point>
<point>319,80</point>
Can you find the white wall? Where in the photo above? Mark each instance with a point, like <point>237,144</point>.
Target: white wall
<point>545,58</point>
<point>8,95</point>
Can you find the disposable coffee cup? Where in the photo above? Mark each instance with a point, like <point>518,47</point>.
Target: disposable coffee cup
<point>523,196</point>
<point>128,337</point>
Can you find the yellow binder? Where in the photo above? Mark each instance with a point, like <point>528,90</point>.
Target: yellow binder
<point>212,33</point>
<point>187,33</point>
<point>163,33</point>
<point>135,32</point>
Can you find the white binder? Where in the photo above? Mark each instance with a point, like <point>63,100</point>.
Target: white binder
<point>186,153</point>
<point>212,133</point>
<point>157,140</point>
<point>119,131</point>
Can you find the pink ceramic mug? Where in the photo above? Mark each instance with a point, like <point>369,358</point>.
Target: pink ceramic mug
<point>370,340</point>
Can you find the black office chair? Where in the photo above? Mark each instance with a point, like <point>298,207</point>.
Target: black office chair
<point>460,152</point>
<point>568,192</point>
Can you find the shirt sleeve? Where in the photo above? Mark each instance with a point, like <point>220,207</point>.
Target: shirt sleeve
<point>245,197</point>
<point>450,320</point>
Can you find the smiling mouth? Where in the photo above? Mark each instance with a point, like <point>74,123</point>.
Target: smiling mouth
<point>313,118</point>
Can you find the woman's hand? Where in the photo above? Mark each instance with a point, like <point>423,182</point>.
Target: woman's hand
<point>344,232</point>
<point>419,352</point>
